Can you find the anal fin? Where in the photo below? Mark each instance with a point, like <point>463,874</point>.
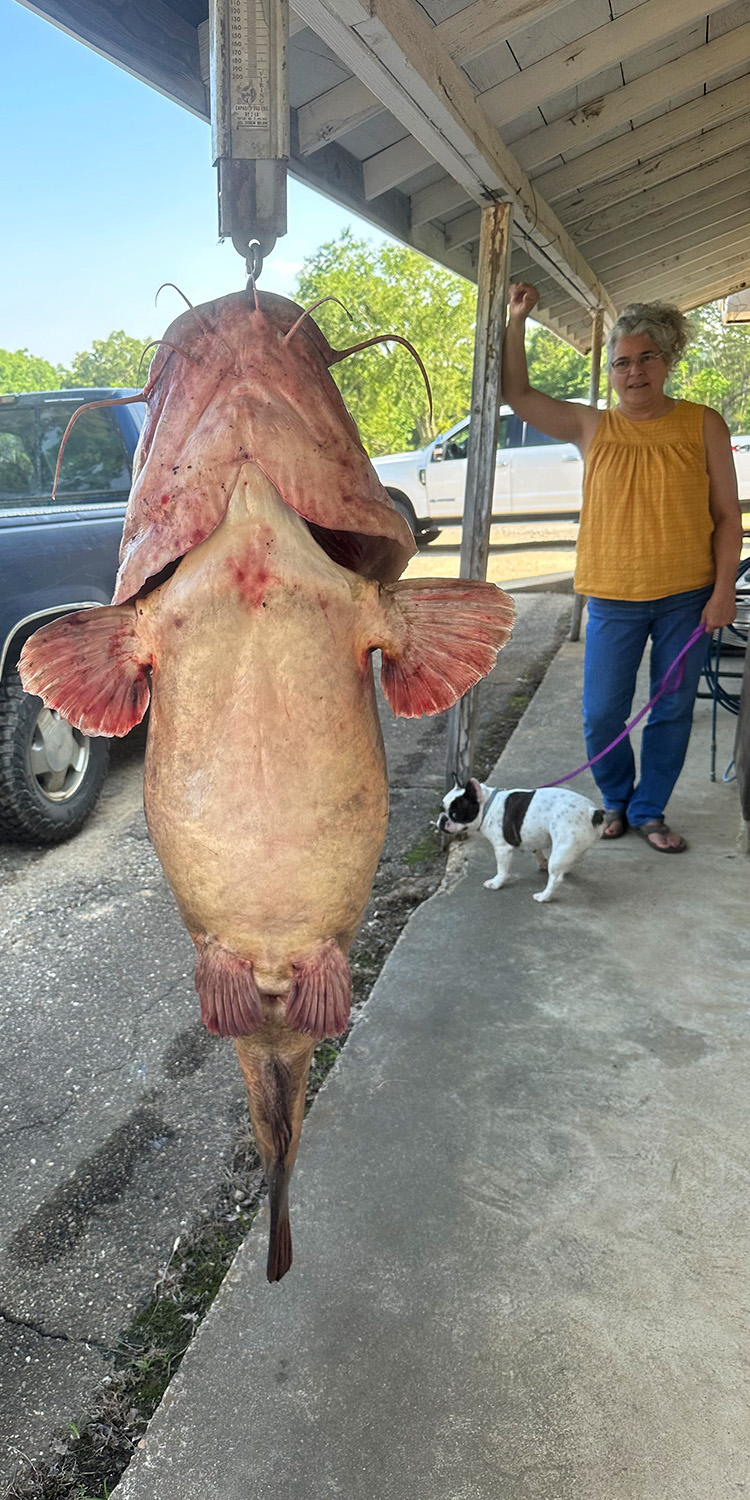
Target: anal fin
<point>441,635</point>
<point>91,667</point>
<point>230,1001</point>
<point>319,1001</point>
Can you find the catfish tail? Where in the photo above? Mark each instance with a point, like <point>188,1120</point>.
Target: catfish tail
<point>276,1078</point>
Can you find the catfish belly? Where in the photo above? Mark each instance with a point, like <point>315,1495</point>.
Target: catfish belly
<point>265,789</point>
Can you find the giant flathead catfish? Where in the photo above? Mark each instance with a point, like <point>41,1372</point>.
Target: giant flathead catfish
<point>259,571</point>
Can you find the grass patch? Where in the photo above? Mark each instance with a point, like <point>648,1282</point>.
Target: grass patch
<point>426,849</point>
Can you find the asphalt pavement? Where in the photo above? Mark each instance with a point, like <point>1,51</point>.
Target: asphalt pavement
<point>118,1110</point>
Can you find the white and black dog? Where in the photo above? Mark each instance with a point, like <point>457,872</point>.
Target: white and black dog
<point>556,825</point>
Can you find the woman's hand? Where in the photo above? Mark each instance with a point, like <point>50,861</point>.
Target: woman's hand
<point>522,299</point>
<point>719,610</point>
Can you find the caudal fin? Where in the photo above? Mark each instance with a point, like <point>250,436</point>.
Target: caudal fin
<point>276,1089</point>
<point>441,635</point>
<point>92,668</point>
<point>277,1104</point>
<point>280,1237</point>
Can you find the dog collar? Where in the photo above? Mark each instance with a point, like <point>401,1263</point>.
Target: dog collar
<point>488,804</point>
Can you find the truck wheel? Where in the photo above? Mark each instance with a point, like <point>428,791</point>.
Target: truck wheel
<point>424,531</point>
<point>50,774</point>
<point>405,509</point>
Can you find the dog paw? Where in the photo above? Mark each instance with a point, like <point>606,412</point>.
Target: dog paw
<point>495,885</point>
<point>541,896</point>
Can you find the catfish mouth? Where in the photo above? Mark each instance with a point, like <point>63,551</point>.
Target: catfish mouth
<point>232,385</point>
<point>347,548</point>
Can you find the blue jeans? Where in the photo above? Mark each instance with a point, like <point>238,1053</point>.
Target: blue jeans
<point>616,636</point>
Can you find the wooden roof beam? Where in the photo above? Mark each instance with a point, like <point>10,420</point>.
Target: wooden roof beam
<point>715,150</point>
<point>700,281</point>
<point>472,31</point>
<point>596,119</point>
<point>440,198</point>
<point>695,231</point>
<point>635,31</point>
<point>682,267</point>
<point>396,164</point>
<point>712,294</point>
<point>706,286</point>
<point>634,146</point>
<point>708,186</point>
<point>146,38</point>
<point>465,229</point>
<point>392,48</point>
<point>334,114</point>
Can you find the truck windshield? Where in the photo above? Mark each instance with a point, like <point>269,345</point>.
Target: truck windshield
<point>18,471</point>
<point>95,461</point>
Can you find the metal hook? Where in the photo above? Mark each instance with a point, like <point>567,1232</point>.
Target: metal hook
<point>254,260</point>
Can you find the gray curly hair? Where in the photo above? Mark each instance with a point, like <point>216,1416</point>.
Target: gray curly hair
<point>662,322</point>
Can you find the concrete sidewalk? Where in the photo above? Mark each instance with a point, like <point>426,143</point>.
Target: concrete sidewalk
<point>521,1207</point>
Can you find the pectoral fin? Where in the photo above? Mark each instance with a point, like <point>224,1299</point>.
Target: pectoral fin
<point>440,636</point>
<point>92,668</point>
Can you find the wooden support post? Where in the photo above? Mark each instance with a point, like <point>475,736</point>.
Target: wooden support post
<point>597,331</point>
<point>492,299</point>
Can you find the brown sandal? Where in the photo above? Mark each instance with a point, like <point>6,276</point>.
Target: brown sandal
<point>657,825</point>
<point>616,820</point>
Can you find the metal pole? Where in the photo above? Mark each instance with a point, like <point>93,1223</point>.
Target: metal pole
<point>492,298</point>
<point>597,332</point>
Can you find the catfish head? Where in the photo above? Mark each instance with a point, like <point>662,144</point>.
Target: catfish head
<point>246,379</point>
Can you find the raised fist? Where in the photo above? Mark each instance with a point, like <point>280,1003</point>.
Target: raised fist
<point>522,299</point>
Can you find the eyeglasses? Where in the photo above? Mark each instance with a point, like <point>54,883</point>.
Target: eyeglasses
<point>641,361</point>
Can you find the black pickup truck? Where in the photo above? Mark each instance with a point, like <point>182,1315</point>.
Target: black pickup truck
<point>54,557</point>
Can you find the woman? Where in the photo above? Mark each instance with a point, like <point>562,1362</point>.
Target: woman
<point>658,547</point>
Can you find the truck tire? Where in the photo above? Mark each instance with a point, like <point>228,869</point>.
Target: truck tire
<point>405,509</point>
<point>50,774</point>
<point>424,532</point>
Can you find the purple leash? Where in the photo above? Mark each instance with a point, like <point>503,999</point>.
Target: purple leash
<point>665,686</point>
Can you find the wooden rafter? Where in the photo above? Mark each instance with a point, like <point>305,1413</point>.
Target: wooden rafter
<point>572,65</point>
<point>655,89</point>
<point>666,165</point>
<point>464,36</point>
<point>393,49</point>
<point>633,146</point>
<point>705,186</point>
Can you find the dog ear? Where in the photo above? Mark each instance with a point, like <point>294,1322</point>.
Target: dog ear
<point>477,785</point>
<point>456,782</point>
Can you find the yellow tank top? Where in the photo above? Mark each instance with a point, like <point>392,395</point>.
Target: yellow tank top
<point>646,527</point>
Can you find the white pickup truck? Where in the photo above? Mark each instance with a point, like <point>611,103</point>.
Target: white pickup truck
<point>535,475</point>
<point>741,451</point>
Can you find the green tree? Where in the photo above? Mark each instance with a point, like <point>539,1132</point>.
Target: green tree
<point>21,371</point>
<point>393,289</point>
<point>112,361</point>
<point>716,367</point>
<point>556,367</point>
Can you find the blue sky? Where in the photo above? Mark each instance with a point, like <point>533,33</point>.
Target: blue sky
<point>106,190</point>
